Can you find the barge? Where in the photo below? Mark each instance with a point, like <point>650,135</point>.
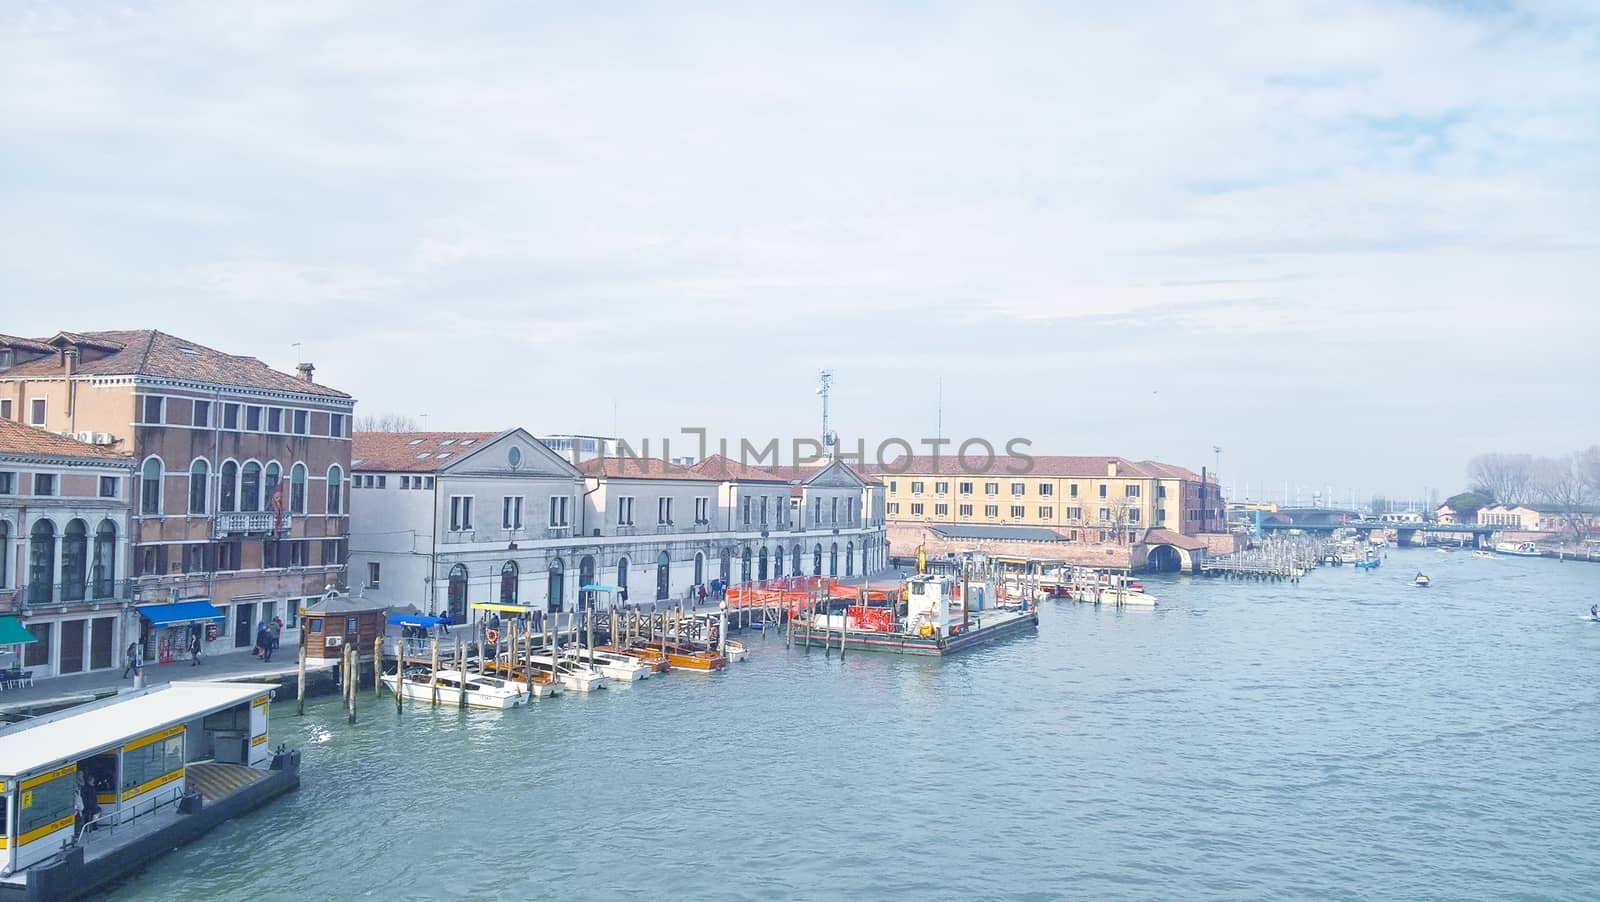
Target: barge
<point>939,619</point>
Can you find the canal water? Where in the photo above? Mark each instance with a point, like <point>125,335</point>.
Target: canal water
<point>1347,737</point>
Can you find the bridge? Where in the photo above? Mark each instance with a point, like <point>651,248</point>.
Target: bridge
<point>1368,526</point>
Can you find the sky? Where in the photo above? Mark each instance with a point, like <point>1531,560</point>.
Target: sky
<point>1349,243</point>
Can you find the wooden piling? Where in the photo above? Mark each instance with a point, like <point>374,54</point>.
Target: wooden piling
<point>461,674</point>
<point>301,685</point>
<point>352,677</point>
<point>433,677</point>
<point>399,672</point>
<point>377,667</point>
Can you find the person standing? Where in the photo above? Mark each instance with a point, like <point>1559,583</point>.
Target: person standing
<point>194,648</point>
<point>275,630</point>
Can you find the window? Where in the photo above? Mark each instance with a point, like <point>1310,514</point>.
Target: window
<point>941,510</point>
<point>964,510</point>
<point>1133,515</point>
<point>335,489</point>
<point>383,481</point>
<point>833,510</point>
<point>702,510</point>
<point>894,486</point>
<point>150,487</point>
<point>202,414</point>
<point>271,485</point>
<point>336,425</point>
<point>155,410</point>
<point>297,489</point>
<point>558,510</point>
<point>1018,511</point>
<point>892,508</point>
<point>198,472</point>
<point>230,416</point>
<point>300,422</point>
<point>747,510</point>
<point>44,484</point>
<point>1102,490</point>
<point>991,488</point>
<point>427,482</point>
<point>252,418</point>
<point>992,511</point>
<point>1047,512</point>
<point>940,488</point>
<point>228,555</point>
<point>624,511</point>
<point>1019,488</point>
<point>916,510</point>
<point>664,511</point>
<point>332,552</point>
<point>274,419</point>
<point>1131,491</point>
<point>1161,491</point>
<point>460,513</point>
<point>36,412</point>
<point>764,501</point>
<point>964,487</point>
<point>405,482</point>
<point>1074,513</point>
<point>916,488</point>
<point>5,408</point>
<point>228,494</point>
<point>108,487</point>
<point>372,574</point>
<point>1073,490</point>
<point>1105,514</point>
<point>509,572</point>
<point>1161,515</point>
<point>250,487</point>
<point>1046,490</point>
<point>511,512</point>
<point>8,483</point>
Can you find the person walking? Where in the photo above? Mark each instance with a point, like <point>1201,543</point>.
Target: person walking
<point>133,660</point>
<point>263,642</point>
<point>275,630</point>
<point>194,648</point>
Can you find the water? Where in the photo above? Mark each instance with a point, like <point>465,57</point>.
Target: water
<point>1349,737</point>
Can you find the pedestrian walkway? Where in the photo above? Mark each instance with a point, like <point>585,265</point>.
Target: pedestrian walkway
<point>86,687</point>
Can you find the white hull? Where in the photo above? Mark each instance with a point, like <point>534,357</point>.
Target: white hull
<point>1523,549</point>
<point>735,651</point>
<point>612,666</point>
<point>577,677</point>
<point>450,696</point>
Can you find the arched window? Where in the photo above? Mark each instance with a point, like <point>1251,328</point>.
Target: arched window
<point>816,560</point>
<point>849,559</point>
<point>335,490</point>
<point>727,565</point>
<point>199,489</point>
<point>74,560</point>
<point>777,562</point>
<point>744,565</point>
<point>622,578</point>
<point>228,488</point>
<point>297,493</point>
<point>761,565</point>
<point>796,562</point>
<point>586,578</point>
<point>104,568</point>
<point>270,483</point>
<point>508,582</point>
<point>699,568</point>
<point>456,594</point>
<point>833,559</point>
<point>5,552</point>
<point>556,588</point>
<point>663,575</point>
<point>150,487</point>
<point>250,487</point>
<point>41,562</point>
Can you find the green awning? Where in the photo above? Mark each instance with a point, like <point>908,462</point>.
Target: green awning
<point>12,633</point>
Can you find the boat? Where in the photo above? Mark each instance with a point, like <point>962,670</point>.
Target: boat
<point>574,675</point>
<point>684,656</point>
<point>653,658</point>
<point>1481,554</point>
<point>735,651</point>
<point>445,685</point>
<point>935,623</point>
<point>1370,563</point>
<point>613,665</point>
<point>1518,549</point>
<point>1422,581</point>
<point>543,685</point>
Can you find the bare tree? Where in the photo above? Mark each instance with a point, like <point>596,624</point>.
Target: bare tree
<point>1508,478</point>
<point>1563,483</point>
<point>389,422</point>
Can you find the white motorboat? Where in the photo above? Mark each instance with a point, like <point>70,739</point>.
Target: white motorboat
<point>735,651</point>
<point>574,675</point>
<point>482,691</point>
<point>1518,549</point>
<point>1483,555</point>
<point>612,665</point>
<point>1422,581</point>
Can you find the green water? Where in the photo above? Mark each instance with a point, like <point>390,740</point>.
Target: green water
<point>1349,737</point>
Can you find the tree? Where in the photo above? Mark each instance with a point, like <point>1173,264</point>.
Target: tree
<point>1563,484</point>
<point>1467,504</point>
<point>1507,478</point>
<point>389,422</point>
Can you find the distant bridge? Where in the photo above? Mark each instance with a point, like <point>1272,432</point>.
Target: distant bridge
<point>1368,526</point>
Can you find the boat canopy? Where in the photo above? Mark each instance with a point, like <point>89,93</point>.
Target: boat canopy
<point>596,587</point>
<point>504,608</point>
<point>178,613</point>
<point>418,620</point>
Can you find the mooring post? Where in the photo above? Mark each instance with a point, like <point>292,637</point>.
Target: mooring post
<point>399,671</point>
<point>461,674</point>
<point>433,677</point>
<point>302,671</point>
<point>352,678</point>
<point>377,667</point>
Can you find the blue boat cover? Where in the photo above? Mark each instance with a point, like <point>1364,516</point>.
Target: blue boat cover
<point>195,610</point>
<point>420,620</point>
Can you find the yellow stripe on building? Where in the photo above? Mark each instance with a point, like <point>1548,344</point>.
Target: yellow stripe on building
<point>56,774</point>
<point>157,783</point>
<point>157,736</point>
<point>46,830</point>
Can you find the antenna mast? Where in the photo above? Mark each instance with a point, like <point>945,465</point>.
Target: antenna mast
<point>824,386</point>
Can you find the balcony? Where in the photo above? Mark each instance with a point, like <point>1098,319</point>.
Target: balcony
<point>92,591</point>
<point>238,522</point>
<point>557,532</point>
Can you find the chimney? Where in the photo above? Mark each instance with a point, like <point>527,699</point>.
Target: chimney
<point>1111,468</point>
<point>69,360</point>
<point>305,370</point>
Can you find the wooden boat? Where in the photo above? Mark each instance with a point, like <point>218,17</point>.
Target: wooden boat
<point>682,656</point>
<point>482,691</point>
<point>544,685</point>
<point>650,657</point>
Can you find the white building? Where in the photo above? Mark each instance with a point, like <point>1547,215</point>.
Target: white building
<point>447,520</point>
<point>579,448</point>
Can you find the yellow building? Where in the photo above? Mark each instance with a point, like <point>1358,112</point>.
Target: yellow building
<point>1085,499</point>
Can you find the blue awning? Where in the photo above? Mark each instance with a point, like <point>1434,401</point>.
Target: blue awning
<point>598,588</point>
<point>420,620</point>
<point>177,613</point>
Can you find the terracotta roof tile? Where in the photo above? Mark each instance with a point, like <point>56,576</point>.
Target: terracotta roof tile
<point>147,352</point>
<point>639,468</point>
<point>26,344</point>
<point>411,452</point>
<point>723,469</point>
<point>16,438</point>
